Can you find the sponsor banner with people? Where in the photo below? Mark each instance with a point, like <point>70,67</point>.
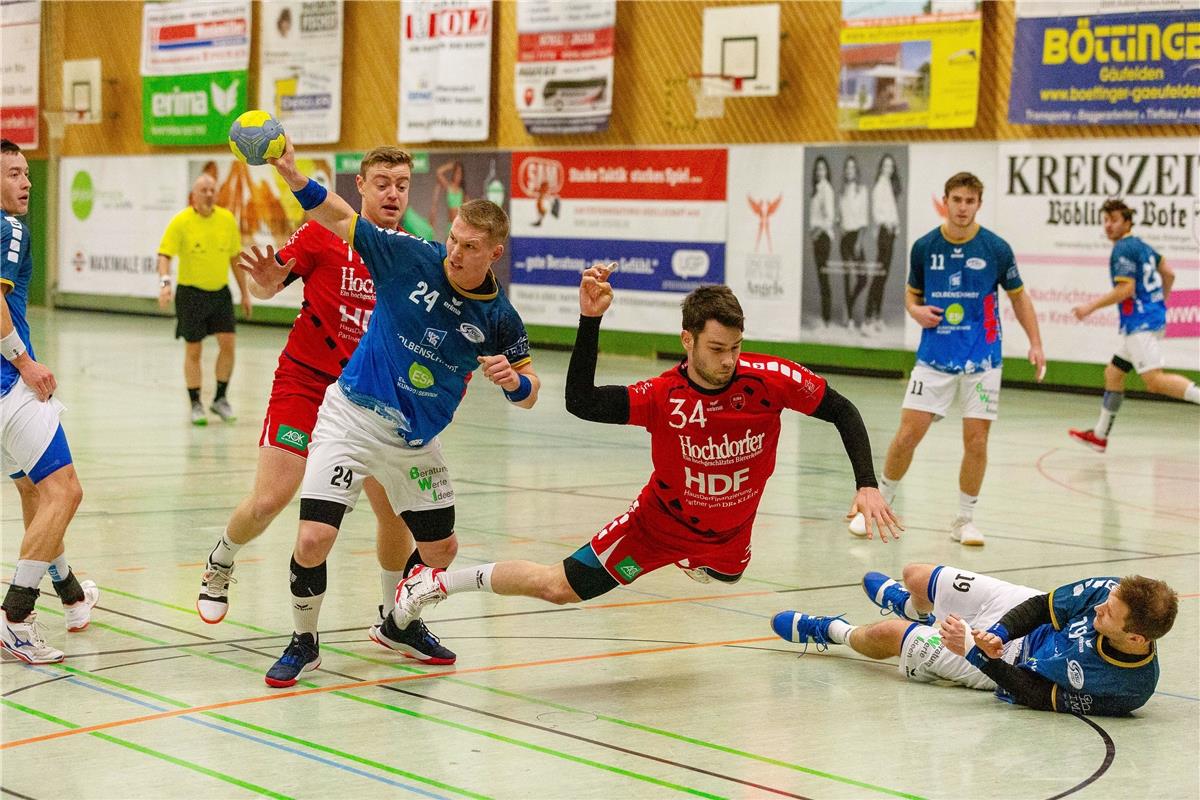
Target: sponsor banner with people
<point>763,251</point>
<point>1128,63</point>
<point>445,70</point>
<point>20,57</point>
<point>659,214</point>
<point>909,64</point>
<point>300,67</point>
<point>1048,198</point>
<point>115,209</point>
<point>564,67</point>
<point>194,70</point>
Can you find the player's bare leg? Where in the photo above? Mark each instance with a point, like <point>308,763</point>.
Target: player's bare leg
<point>225,356</point>
<point>1171,385</point>
<point>913,427</point>
<point>970,480</point>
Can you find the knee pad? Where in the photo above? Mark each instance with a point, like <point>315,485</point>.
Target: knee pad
<point>326,512</point>
<point>588,580</point>
<point>432,525</point>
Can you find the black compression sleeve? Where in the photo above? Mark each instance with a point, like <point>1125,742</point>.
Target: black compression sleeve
<point>291,278</point>
<point>584,399</point>
<point>1025,687</point>
<point>1024,617</point>
<point>841,412</point>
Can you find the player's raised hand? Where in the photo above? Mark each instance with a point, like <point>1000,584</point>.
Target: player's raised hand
<point>595,292</point>
<point>877,513</point>
<point>497,370</point>
<point>264,269</point>
<point>926,316</point>
<point>285,165</point>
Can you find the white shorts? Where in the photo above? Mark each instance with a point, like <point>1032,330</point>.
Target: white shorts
<point>1143,350</point>
<point>981,601</point>
<point>350,443</point>
<point>934,391</point>
<point>27,426</point>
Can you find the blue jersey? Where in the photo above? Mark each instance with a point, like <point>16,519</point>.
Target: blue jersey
<point>414,361</point>
<point>15,274</point>
<point>961,279</point>
<point>1134,260</point>
<point>1090,676</point>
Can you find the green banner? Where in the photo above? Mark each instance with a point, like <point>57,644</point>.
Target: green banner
<point>191,109</point>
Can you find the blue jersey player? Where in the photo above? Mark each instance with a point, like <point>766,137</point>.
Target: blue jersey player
<point>439,314</point>
<point>1087,647</point>
<point>33,447</point>
<point>954,278</point>
<point>1141,284</point>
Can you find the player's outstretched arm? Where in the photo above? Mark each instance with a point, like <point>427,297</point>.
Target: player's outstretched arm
<point>37,377</point>
<point>267,275</point>
<point>584,398</point>
<point>326,207</point>
<point>520,384</point>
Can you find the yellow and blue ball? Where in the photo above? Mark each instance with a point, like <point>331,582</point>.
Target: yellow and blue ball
<point>256,136</point>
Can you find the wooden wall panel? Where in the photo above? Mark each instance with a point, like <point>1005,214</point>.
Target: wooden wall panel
<point>657,46</point>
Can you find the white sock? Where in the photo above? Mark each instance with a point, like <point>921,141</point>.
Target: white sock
<point>888,488</point>
<point>966,505</point>
<point>1192,393</point>
<point>306,611</point>
<point>225,551</point>
<point>387,583</point>
<point>910,610</point>
<point>29,573</point>
<point>59,568</point>
<point>839,631</point>
<point>468,579</point>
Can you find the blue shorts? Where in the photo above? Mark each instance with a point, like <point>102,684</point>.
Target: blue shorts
<point>56,456</point>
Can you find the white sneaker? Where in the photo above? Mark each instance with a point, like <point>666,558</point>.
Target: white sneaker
<point>423,587</point>
<point>26,641</point>
<point>80,614</point>
<point>213,603</point>
<point>698,574</point>
<point>858,526</point>
<point>964,532</point>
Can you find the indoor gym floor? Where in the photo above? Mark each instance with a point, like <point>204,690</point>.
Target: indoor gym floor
<point>668,688</point>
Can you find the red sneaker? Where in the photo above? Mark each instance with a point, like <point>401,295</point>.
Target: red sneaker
<point>1090,439</point>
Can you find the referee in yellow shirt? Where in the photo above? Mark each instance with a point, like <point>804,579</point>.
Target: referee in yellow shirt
<point>207,241</point>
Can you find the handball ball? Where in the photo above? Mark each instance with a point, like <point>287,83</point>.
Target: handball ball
<point>256,136</point>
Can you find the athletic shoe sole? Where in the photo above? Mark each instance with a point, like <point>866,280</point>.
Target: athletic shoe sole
<point>407,651</point>
<point>27,659</point>
<point>283,684</point>
<point>206,619</point>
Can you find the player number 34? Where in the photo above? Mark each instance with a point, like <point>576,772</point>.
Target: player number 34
<point>680,418</point>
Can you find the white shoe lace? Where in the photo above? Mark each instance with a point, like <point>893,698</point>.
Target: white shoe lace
<point>217,578</point>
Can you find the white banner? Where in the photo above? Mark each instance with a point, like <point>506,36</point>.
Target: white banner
<point>445,70</point>
<point>564,69</point>
<point>300,67</point>
<point>1048,207</point>
<point>765,238</point>
<point>20,36</point>
<point>185,38</point>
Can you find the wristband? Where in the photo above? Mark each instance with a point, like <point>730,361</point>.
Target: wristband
<point>523,390</point>
<point>312,195</point>
<point>1000,632</point>
<point>977,658</point>
<point>13,348</point>
<point>164,281</point>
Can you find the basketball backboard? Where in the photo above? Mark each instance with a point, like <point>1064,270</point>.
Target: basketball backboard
<point>742,42</point>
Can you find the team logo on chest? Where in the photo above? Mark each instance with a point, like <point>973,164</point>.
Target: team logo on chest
<point>471,333</point>
<point>433,337</point>
<point>956,280</point>
<point>976,263</point>
<point>738,401</point>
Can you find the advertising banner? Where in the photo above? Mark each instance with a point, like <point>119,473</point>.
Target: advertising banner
<point>855,246</point>
<point>763,255</point>
<point>194,60</point>
<point>1048,208</point>
<point>445,70</point>
<point>1137,63</point>
<point>20,55</point>
<point>660,214</point>
<point>115,209</point>
<point>564,68</point>
<point>917,67</point>
<point>300,67</point>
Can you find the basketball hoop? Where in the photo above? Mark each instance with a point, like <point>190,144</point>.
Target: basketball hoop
<point>57,122</point>
<point>709,93</point>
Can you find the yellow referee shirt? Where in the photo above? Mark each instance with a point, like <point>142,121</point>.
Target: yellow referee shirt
<point>204,246</point>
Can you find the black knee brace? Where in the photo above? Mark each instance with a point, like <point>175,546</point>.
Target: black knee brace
<point>1122,364</point>
<point>432,525</point>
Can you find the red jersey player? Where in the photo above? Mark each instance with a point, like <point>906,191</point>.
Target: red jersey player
<point>714,426</point>
<point>339,297</point>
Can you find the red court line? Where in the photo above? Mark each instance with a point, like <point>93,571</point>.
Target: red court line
<point>1042,471</point>
<point>120,723</point>
<point>1188,596</point>
<point>130,569</point>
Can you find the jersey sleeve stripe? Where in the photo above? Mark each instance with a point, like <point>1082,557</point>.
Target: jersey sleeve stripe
<point>1016,291</point>
<point>353,227</point>
<point>914,290</point>
<point>1123,279</point>
<point>1053,619</point>
<point>7,281</point>
<point>522,362</point>
<point>1054,697</point>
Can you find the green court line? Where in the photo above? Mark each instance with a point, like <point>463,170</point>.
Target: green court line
<point>550,704</point>
<point>149,752</point>
<point>173,607</point>
<point>54,612</point>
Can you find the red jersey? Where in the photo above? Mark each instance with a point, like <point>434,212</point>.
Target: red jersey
<point>713,450</point>
<point>339,297</point>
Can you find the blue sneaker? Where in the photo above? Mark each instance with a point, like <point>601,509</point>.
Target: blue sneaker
<point>792,626</point>
<point>414,640</point>
<point>890,595</point>
<point>302,654</point>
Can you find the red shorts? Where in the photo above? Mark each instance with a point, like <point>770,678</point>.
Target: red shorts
<point>296,394</point>
<point>645,538</point>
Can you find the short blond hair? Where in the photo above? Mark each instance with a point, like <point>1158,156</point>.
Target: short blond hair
<point>388,155</point>
<point>487,217</point>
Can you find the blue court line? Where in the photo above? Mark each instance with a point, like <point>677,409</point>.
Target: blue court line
<point>311,757</point>
<point>1180,696</point>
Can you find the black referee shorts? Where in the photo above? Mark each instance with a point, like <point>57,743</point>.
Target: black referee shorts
<point>199,313</point>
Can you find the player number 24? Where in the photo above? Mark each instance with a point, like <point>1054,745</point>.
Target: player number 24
<point>422,295</point>
<point>342,476</point>
<point>679,418</point>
